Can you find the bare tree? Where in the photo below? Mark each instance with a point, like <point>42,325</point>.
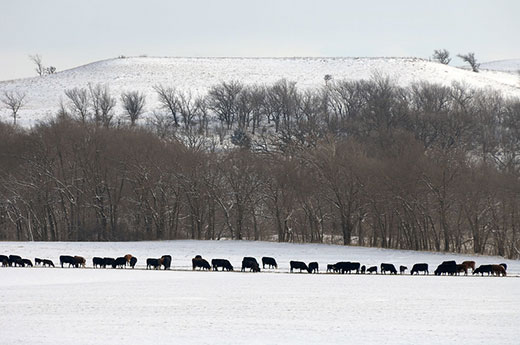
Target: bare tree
<point>168,100</point>
<point>50,70</point>
<point>471,60</point>
<point>102,104</point>
<point>442,56</point>
<point>37,60</point>
<point>14,101</point>
<point>79,103</point>
<point>133,104</point>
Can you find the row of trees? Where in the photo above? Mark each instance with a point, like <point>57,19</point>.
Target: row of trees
<point>425,167</point>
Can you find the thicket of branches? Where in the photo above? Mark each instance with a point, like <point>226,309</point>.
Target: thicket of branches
<point>370,163</point>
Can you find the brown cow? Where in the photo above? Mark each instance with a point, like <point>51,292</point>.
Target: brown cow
<point>498,270</point>
<point>128,257</point>
<point>80,261</point>
<point>462,268</point>
<point>468,265</point>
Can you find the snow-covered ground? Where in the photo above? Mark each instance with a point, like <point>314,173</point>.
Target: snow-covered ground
<point>510,65</point>
<point>198,74</point>
<point>124,306</point>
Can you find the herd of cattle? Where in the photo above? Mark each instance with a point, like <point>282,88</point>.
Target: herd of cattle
<point>343,267</point>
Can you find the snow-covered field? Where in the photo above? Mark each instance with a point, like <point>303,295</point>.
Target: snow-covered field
<point>198,74</point>
<point>124,306</point>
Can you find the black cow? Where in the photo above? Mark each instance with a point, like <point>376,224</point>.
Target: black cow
<point>402,269</point>
<point>270,262</point>
<point>363,269</point>
<point>27,262</point>
<point>67,259</point>
<point>201,263</point>
<point>313,267</point>
<point>47,262</point>
<point>331,268</point>
<point>447,267</point>
<point>37,261</point>
<point>166,261</point>
<point>298,265</point>
<point>225,264</point>
<point>120,262</point>
<point>388,268</point>
<point>133,261</point>
<point>348,267</point>
<point>504,265</point>
<point>109,261</point>
<point>18,263</point>
<point>13,259</point>
<point>97,261</point>
<point>153,263</point>
<point>372,269</point>
<point>422,267</point>
<point>251,263</point>
<point>484,269</point>
<point>4,260</point>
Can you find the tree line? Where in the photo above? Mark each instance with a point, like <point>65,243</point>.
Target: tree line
<point>423,167</point>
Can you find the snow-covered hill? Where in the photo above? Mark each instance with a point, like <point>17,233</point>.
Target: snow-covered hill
<point>510,65</point>
<point>197,74</point>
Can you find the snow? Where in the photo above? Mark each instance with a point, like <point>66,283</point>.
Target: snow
<point>510,65</point>
<point>109,306</point>
<point>198,74</point>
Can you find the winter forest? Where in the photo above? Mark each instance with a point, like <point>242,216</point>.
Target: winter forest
<point>422,167</point>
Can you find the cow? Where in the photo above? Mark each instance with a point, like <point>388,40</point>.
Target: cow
<point>363,269</point>
<point>120,262</point>
<point>313,267</point>
<point>109,261</point>
<point>504,265</point>
<point>47,262</point>
<point>4,260</point>
<point>483,269</point>
<point>447,267</point>
<point>372,269</point>
<point>27,262</point>
<point>18,263</point>
<point>153,263</point>
<point>468,265</point>
<point>67,259</point>
<point>37,261</point>
<point>388,268</point>
<point>299,265</point>
<point>270,262</point>
<point>201,263</point>
<point>461,268</point>
<point>80,261</point>
<point>348,267</point>
<point>251,263</point>
<point>13,259</point>
<point>133,261</point>
<point>421,267</point>
<point>331,268</point>
<point>166,261</point>
<point>498,270</point>
<point>128,257</point>
<point>402,269</point>
<point>97,261</point>
<point>225,264</point>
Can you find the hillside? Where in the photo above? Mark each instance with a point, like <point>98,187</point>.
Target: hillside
<point>197,74</point>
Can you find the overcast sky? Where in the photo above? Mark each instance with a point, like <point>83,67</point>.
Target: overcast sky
<point>70,33</point>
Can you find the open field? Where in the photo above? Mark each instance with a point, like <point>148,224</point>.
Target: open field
<point>87,306</point>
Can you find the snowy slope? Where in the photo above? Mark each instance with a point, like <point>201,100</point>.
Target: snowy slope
<point>510,65</point>
<point>198,74</point>
<point>121,307</point>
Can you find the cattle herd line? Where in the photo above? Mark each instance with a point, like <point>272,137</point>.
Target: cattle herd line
<point>250,263</point>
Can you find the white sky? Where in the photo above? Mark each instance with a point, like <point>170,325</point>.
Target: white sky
<point>69,33</point>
